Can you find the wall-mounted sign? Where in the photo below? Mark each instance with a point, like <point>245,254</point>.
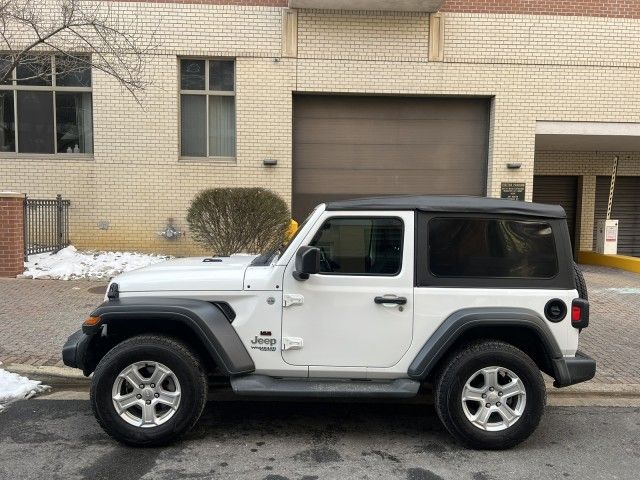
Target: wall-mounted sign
<point>513,191</point>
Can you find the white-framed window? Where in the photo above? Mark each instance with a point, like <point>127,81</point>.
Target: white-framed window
<point>207,108</point>
<point>46,107</point>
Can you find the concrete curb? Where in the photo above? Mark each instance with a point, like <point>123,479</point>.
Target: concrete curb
<point>624,389</point>
<point>65,377</point>
<point>56,377</point>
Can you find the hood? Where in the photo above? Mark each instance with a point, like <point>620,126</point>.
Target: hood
<point>226,273</point>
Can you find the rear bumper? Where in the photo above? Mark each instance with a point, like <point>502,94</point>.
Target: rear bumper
<point>572,370</point>
<point>74,352</point>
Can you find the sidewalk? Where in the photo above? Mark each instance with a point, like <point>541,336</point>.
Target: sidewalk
<point>613,336</point>
<point>37,316</point>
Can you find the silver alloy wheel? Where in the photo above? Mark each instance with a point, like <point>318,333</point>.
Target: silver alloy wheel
<point>146,394</point>
<point>493,399</point>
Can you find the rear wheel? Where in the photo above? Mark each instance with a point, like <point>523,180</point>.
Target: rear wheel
<point>490,395</point>
<point>148,390</point>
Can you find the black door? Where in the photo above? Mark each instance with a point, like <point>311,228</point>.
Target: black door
<point>625,209</point>
<point>559,190</point>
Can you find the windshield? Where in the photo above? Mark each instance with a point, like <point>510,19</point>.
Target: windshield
<point>267,257</point>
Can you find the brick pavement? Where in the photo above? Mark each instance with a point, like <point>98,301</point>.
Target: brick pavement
<point>37,316</point>
<point>613,336</point>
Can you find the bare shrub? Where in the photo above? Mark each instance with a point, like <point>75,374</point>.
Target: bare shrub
<point>238,220</point>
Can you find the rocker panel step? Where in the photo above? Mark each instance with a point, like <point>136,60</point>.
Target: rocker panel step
<point>262,385</point>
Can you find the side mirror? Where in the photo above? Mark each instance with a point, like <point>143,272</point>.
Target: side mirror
<point>307,262</point>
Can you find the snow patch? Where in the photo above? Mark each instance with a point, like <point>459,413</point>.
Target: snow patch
<point>14,387</point>
<point>69,263</point>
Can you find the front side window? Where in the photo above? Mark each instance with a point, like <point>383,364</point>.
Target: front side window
<point>360,246</point>
<point>207,108</point>
<point>491,248</point>
<point>46,106</point>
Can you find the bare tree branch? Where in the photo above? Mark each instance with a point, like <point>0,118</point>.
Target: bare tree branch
<point>81,34</point>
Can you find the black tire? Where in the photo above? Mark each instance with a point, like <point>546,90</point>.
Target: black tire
<point>167,351</point>
<point>460,366</point>
<point>581,284</point>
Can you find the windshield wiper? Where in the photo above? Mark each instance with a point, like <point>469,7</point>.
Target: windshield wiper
<point>264,259</point>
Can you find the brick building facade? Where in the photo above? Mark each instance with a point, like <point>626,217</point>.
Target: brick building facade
<point>565,62</point>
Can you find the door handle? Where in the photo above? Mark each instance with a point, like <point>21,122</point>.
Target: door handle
<point>390,300</point>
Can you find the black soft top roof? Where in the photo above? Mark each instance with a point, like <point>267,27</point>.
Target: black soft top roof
<point>451,204</point>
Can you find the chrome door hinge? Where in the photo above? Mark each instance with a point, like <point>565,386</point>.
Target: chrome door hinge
<point>290,299</point>
<point>292,343</point>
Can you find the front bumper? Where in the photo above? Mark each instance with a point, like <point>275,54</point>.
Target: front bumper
<point>74,352</point>
<point>572,370</point>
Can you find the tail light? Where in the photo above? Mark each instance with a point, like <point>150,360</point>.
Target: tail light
<point>580,313</point>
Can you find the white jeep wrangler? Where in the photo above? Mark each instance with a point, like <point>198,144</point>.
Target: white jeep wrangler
<point>371,298</point>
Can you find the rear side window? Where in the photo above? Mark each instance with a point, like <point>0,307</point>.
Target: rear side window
<point>491,248</point>
<point>360,246</point>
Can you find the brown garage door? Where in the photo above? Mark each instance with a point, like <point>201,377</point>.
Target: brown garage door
<point>345,147</point>
<point>626,209</point>
<point>559,190</point>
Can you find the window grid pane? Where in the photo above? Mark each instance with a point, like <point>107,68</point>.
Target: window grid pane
<point>35,70</point>
<point>193,124</point>
<point>192,74</point>
<point>208,131</point>
<point>74,122</point>
<point>222,126</point>
<point>221,75</point>
<point>47,121</point>
<point>7,122</point>
<point>5,66</point>
<point>72,72</point>
<point>35,122</point>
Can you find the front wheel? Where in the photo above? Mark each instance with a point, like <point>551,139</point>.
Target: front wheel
<point>148,390</point>
<point>490,395</point>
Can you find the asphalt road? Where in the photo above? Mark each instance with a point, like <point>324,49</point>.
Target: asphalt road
<point>277,441</point>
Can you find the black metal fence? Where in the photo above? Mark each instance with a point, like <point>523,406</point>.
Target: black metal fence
<point>46,225</point>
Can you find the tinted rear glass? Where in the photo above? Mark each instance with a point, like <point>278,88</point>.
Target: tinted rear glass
<point>491,248</point>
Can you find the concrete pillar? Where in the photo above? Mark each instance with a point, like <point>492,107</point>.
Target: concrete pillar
<point>11,234</point>
<point>290,33</point>
<point>587,212</point>
<point>436,37</point>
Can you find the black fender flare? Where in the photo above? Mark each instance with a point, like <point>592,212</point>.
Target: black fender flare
<point>207,321</point>
<point>463,320</point>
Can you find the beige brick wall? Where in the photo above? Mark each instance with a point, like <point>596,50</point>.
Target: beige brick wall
<point>535,68</point>
<point>588,166</point>
<point>587,163</point>
<point>543,39</point>
<point>366,36</point>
